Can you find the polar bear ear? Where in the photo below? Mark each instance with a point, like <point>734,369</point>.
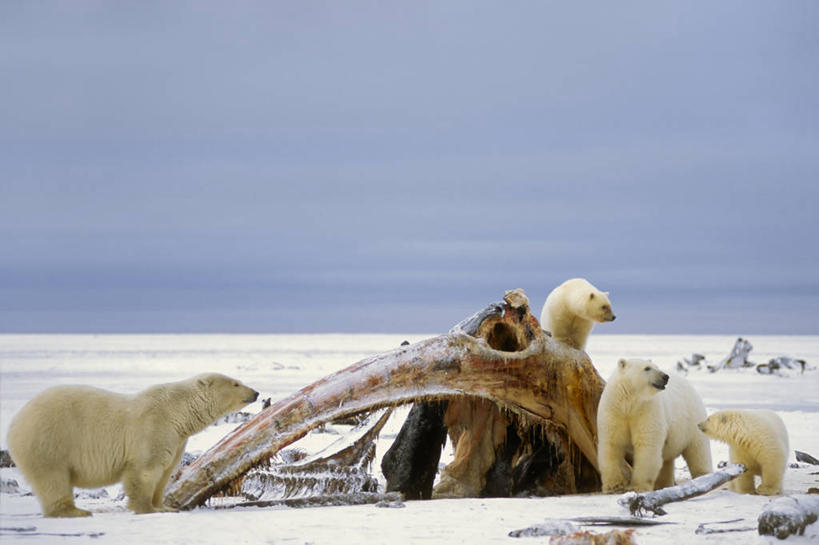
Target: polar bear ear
<point>622,363</point>
<point>204,381</point>
<point>606,293</point>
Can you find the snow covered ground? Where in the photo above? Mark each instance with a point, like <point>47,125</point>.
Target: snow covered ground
<point>278,365</point>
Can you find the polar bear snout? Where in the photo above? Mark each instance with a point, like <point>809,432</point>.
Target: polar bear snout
<point>252,397</point>
<point>701,426</point>
<point>611,319</point>
<point>661,382</point>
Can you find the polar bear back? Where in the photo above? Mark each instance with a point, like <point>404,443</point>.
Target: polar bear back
<point>82,436</point>
<point>66,416</point>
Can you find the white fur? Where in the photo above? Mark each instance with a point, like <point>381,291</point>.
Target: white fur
<point>572,309</point>
<point>650,426</point>
<point>71,436</point>
<point>757,439</point>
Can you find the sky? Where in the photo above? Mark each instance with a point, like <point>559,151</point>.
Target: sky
<point>280,167</point>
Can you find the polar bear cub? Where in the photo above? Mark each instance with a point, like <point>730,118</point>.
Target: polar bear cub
<point>757,439</point>
<point>572,309</point>
<point>81,436</point>
<point>649,418</point>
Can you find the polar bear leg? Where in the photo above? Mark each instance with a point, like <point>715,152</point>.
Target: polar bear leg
<point>666,476</point>
<point>744,484</point>
<point>771,484</point>
<point>697,456</point>
<point>159,493</point>
<point>140,486</point>
<point>56,495</point>
<point>772,473</point>
<point>648,460</point>
<point>613,468</point>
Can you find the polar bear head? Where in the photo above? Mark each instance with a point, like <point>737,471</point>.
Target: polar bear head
<point>641,377</point>
<point>226,394</point>
<point>723,425</point>
<point>589,302</point>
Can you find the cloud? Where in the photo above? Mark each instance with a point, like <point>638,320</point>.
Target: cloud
<point>189,164</point>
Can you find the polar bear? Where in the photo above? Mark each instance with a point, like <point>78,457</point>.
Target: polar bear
<point>571,310</point>
<point>71,436</point>
<point>649,418</point>
<point>757,439</point>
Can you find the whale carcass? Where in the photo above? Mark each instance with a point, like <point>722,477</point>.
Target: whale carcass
<point>498,365</point>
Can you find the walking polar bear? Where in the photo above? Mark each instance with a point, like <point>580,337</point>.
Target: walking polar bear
<point>648,418</point>
<point>81,436</point>
<point>757,439</point>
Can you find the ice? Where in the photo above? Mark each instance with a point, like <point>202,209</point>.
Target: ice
<point>278,365</point>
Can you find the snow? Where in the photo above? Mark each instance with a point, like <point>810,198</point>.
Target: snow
<point>278,365</point>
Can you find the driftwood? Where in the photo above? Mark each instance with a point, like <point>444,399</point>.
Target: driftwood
<point>737,358</point>
<point>542,383</point>
<point>782,365</point>
<point>788,515</point>
<point>805,457</point>
<point>639,503</point>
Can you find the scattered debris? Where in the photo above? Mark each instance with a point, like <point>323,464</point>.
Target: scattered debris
<point>552,527</point>
<point>5,459</point>
<point>10,486</point>
<point>327,500</point>
<point>619,521</point>
<point>805,457</point>
<point>340,468</point>
<point>639,503</point>
<point>239,417</point>
<point>386,504</point>
<point>702,529</point>
<point>187,459</point>
<point>615,537</point>
<point>32,531</point>
<point>779,364</point>
<point>738,359</point>
<point>788,515</point>
<point>696,362</point>
<point>93,493</point>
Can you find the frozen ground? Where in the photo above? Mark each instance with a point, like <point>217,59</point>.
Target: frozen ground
<point>277,365</point>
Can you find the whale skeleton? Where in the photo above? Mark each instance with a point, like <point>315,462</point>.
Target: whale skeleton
<point>500,354</point>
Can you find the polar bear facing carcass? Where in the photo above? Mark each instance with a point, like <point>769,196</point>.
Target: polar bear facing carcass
<point>82,436</point>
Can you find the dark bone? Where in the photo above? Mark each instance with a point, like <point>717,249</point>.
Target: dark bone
<point>547,383</point>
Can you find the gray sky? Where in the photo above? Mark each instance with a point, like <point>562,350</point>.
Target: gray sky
<point>394,166</point>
